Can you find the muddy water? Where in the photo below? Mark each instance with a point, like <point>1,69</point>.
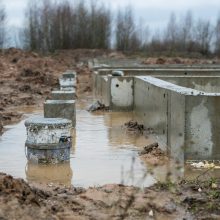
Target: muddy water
<point>103,152</point>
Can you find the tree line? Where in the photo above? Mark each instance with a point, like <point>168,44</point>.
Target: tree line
<point>52,25</point>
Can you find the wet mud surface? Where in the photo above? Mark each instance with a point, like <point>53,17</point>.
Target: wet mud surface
<point>18,200</point>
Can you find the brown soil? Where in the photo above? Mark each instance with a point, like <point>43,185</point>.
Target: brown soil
<point>153,155</point>
<point>134,127</point>
<point>18,200</point>
<point>179,60</point>
<point>27,78</point>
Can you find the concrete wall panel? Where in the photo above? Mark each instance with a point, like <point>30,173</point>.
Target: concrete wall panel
<point>121,93</point>
<point>202,127</point>
<point>150,104</point>
<point>209,84</point>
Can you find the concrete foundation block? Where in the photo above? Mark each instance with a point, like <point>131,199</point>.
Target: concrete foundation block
<point>184,120</point>
<point>67,88</point>
<point>67,83</point>
<point>60,109</point>
<point>48,140</point>
<point>69,74</point>
<point>63,95</point>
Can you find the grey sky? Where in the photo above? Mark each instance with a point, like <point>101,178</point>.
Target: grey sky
<point>155,12</point>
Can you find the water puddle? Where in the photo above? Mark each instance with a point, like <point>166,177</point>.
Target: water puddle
<point>103,152</point>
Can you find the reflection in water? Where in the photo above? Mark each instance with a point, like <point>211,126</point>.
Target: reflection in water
<point>118,136</point>
<point>55,173</point>
<point>103,152</point>
<point>73,148</point>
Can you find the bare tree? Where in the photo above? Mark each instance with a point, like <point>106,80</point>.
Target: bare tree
<point>126,33</point>
<point>186,31</point>
<point>171,33</point>
<point>2,25</point>
<point>217,36</point>
<point>203,36</point>
<point>64,25</point>
<point>52,25</point>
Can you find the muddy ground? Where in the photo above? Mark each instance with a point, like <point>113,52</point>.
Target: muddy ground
<point>26,80</point>
<point>168,201</point>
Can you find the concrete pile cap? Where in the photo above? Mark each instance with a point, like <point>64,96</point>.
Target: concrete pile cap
<point>50,122</point>
<point>117,73</point>
<point>63,92</point>
<point>69,74</point>
<point>67,88</point>
<point>58,102</point>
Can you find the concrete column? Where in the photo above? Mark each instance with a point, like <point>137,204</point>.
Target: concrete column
<point>60,109</point>
<point>48,140</point>
<point>68,81</point>
<point>67,84</point>
<point>69,74</point>
<point>63,95</point>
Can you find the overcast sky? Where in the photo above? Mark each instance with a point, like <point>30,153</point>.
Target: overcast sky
<point>155,12</point>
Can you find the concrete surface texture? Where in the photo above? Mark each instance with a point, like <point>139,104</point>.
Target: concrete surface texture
<point>121,96</point>
<point>209,84</point>
<point>164,71</point>
<point>60,109</point>
<point>63,95</point>
<point>67,83</point>
<point>69,74</point>
<point>183,118</point>
<point>181,105</point>
<point>42,130</point>
<point>48,140</point>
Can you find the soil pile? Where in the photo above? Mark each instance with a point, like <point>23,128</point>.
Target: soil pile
<point>153,155</point>
<point>20,201</point>
<point>27,78</point>
<point>186,200</point>
<point>98,106</point>
<point>134,127</point>
<point>178,60</point>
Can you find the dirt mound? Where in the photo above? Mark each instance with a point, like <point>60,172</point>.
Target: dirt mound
<point>186,200</point>
<point>20,201</point>
<point>98,106</point>
<point>178,60</point>
<point>26,78</point>
<point>153,155</point>
<point>134,127</point>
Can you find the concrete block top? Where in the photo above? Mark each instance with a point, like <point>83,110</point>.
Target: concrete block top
<point>63,92</point>
<point>59,102</point>
<point>186,77</point>
<point>69,74</point>
<point>170,86</point>
<point>105,78</point>
<point>117,73</point>
<point>67,82</point>
<point>49,122</point>
<point>162,69</point>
